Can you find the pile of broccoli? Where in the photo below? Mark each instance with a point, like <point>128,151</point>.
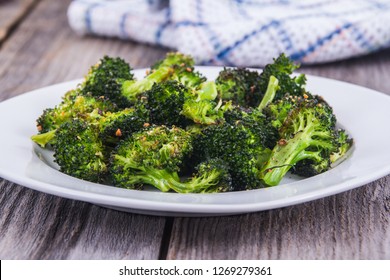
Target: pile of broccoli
<point>177,131</point>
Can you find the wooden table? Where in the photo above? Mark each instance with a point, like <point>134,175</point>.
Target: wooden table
<point>37,48</point>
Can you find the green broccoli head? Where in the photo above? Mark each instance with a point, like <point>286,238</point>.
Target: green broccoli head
<point>256,123</point>
<point>282,69</point>
<point>248,88</point>
<point>317,164</point>
<point>181,69</point>
<point>278,110</point>
<point>175,66</point>
<point>213,176</point>
<point>307,139</point>
<point>173,58</point>
<point>50,119</point>
<point>79,106</point>
<point>105,79</point>
<point>241,142</point>
<point>165,102</point>
<point>239,85</point>
<point>152,157</point>
<point>79,151</point>
<point>73,106</point>
<point>122,124</point>
<point>155,156</point>
<point>172,103</point>
<point>344,143</point>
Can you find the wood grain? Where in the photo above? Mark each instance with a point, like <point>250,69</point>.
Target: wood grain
<point>12,13</point>
<point>45,51</point>
<point>352,225</point>
<point>33,225</point>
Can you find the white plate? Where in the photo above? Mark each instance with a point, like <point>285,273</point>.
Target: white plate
<point>363,112</point>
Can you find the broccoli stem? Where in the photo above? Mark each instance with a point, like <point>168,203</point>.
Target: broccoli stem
<point>287,153</point>
<point>284,156</point>
<point>196,184</point>
<point>207,91</point>
<point>44,138</point>
<point>131,89</point>
<point>159,178</point>
<point>273,86</point>
<point>166,180</point>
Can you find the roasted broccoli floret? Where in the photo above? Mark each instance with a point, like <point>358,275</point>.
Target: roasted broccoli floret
<point>51,118</point>
<point>154,157</point>
<point>79,151</point>
<point>278,110</point>
<point>243,142</point>
<point>239,85</point>
<point>182,69</point>
<point>73,106</point>
<point>101,90</point>
<point>310,167</point>
<point>172,103</point>
<point>175,66</point>
<point>247,88</point>
<point>344,143</point>
<point>119,125</point>
<point>282,69</point>
<point>202,107</point>
<point>307,139</point>
<point>165,103</point>
<point>105,79</point>
<point>79,106</point>
<point>211,176</point>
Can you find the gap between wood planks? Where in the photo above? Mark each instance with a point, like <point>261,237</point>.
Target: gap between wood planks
<point>166,238</point>
<point>10,27</point>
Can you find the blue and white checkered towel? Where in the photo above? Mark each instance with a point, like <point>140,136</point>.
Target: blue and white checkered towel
<point>242,32</point>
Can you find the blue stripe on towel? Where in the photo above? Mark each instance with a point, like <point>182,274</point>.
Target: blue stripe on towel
<point>88,17</point>
<point>227,50</point>
<point>298,56</point>
<point>163,26</point>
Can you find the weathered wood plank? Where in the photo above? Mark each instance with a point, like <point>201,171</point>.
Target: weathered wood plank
<point>351,225</point>
<point>11,13</point>
<point>33,225</point>
<point>46,51</point>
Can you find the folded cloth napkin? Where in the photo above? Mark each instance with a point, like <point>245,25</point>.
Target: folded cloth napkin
<point>242,32</point>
